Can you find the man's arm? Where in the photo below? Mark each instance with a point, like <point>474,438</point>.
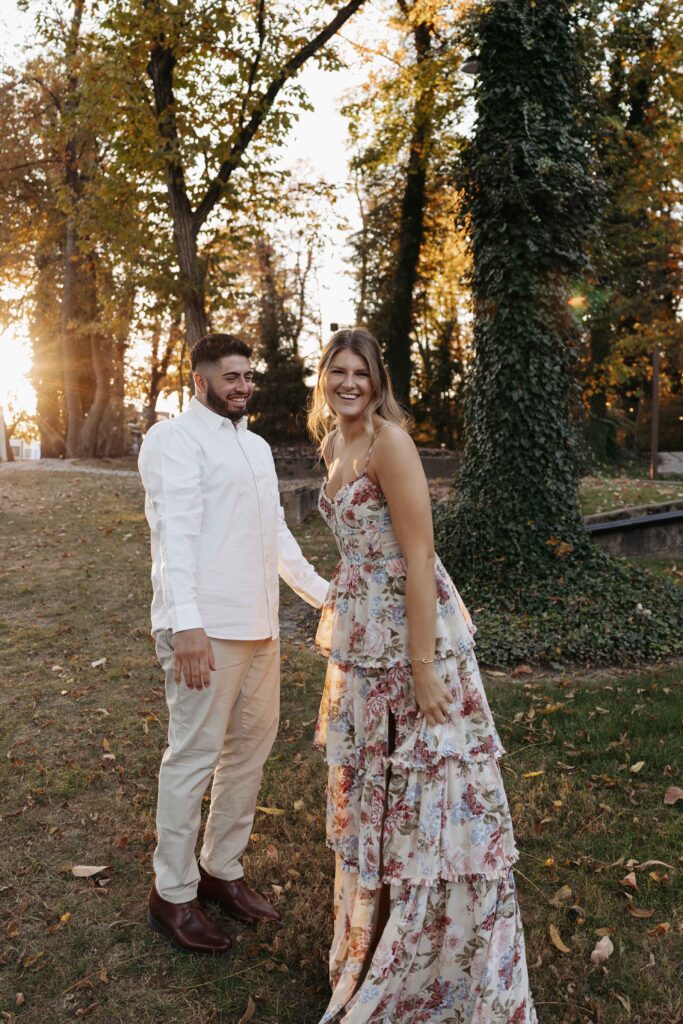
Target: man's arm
<point>169,467</point>
<point>295,570</point>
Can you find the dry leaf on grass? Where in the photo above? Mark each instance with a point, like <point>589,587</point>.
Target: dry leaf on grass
<point>270,810</point>
<point>636,767</point>
<point>659,929</point>
<point>99,663</point>
<point>561,896</point>
<point>603,950</point>
<point>249,1012</point>
<point>673,795</point>
<point>651,864</point>
<point>625,1002</point>
<point>630,880</point>
<point>638,912</point>
<point>533,775</point>
<point>88,870</point>
<point>556,940</point>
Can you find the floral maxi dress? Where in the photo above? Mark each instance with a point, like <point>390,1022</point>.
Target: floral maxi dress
<point>427,818</point>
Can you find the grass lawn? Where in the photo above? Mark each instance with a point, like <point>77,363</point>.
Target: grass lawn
<point>80,743</point>
<point>603,493</point>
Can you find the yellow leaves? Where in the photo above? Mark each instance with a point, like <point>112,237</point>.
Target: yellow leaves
<point>635,768</point>
<point>275,811</point>
<point>556,940</point>
<point>561,896</point>
<point>65,918</point>
<point>560,548</point>
<point>533,775</point>
<point>549,862</point>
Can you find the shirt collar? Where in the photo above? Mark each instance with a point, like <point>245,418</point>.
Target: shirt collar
<point>211,418</point>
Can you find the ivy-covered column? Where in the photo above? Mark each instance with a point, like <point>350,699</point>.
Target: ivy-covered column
<point>529,200</point>
<point>513,539</point>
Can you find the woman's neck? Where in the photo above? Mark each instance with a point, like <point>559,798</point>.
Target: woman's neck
<point>353,429</point>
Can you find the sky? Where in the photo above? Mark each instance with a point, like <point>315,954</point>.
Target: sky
<point>316,145</point>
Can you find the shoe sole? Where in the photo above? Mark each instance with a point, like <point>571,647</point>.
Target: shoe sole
<point>160,930</point>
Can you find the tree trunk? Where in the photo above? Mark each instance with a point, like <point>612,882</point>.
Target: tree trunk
<point>159,369</point>
<point>187,223</point>
<point>398,319</point>
<point>101,352</point>
<point>47,374</point>
<point>71,343</point>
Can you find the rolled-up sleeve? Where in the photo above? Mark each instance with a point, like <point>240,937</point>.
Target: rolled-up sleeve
<point>170,471</point>
<point>295,570</point>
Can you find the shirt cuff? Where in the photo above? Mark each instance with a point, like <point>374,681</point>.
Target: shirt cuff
<point>319,591</point>
<point>185,616</point>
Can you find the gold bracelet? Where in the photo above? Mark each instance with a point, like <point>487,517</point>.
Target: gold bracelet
<point>423,661</point>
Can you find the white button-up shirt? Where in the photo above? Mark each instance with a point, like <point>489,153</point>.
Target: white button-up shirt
<point>219,537</point>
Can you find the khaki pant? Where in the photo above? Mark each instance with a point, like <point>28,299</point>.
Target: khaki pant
<point>225,731</point>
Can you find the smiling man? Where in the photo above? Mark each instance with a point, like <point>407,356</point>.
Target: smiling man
<point>219,540</point>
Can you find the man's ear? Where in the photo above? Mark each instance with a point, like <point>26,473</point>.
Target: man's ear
<point>199,382</point>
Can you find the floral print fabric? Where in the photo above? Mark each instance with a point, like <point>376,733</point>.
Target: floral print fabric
<point>440,833</point>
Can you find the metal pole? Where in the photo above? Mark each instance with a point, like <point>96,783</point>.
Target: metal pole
<point>654,430</point>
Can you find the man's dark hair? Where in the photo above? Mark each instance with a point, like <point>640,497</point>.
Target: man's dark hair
<point>213,347</point>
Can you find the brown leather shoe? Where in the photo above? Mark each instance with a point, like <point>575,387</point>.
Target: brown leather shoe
<point>236,898</point>
<point>186,926</point>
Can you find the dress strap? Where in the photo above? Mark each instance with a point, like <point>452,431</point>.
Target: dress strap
<point>372,445</point>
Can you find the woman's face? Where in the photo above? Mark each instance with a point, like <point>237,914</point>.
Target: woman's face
<point>348,389</point>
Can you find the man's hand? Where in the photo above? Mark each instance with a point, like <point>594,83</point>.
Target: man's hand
<point>193,658</point>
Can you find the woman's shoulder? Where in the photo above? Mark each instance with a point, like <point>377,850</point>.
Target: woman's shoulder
<point>391,436</point>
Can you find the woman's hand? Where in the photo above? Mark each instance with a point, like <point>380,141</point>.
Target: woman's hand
<point>431,693</point>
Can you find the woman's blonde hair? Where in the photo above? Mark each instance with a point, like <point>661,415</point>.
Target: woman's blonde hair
<point>359,341</point>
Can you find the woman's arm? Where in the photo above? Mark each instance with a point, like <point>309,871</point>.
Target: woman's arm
<point>396,464</point>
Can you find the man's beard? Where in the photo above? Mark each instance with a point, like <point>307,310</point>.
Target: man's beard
<point>219,405</point>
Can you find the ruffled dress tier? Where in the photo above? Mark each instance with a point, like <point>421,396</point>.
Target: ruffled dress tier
<point>439,834</point>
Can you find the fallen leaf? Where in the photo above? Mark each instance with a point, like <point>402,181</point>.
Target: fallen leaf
<point>522,670</point>
<point>12,930</point>
<point>298,804</point>
<point>556,940</point>
<point>270,810</point>
<point>657,876</point>
<point>249,1012</point>
<point>87,870</point>
<point>561,896</point>
<point>272,852</point>
<point>636,767</point>
<point>659,929</point>
<point>629,880</point>
<point>533,775</point>
<point>65,918</point>
<point>603,950</point>
<point>105,744</point>
<point>19,999</point>
<point>673,795</point>
<point>98,663</point>
<point>624,1000</point>
<point>603,931</point>
<point>638,912</point>
<point>651,864</point>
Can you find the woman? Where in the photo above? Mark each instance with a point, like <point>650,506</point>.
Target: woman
<point>427,926</point>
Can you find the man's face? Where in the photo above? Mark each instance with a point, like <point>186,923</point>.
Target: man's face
<point>227,387</point>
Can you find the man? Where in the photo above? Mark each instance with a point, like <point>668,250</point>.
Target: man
<point>219,539</point>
